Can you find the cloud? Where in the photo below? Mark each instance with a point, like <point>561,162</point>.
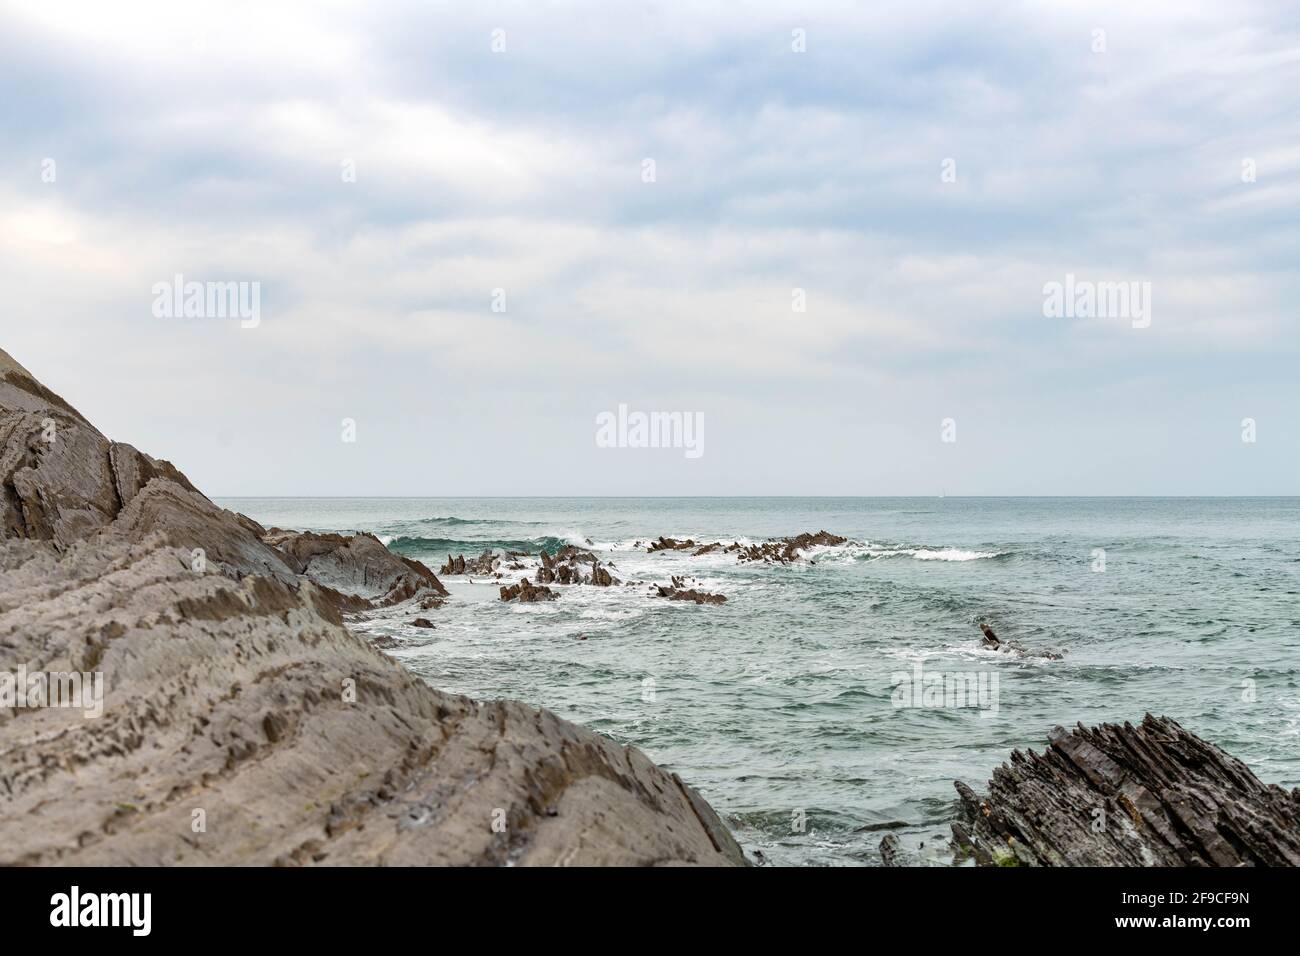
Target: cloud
<point>382,173</point>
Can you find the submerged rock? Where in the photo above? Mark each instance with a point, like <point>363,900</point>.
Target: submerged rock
<point>992,642</point>
<point>1150,795</point>
<point>232,694</point>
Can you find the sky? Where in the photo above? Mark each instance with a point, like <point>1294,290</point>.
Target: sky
<point>824,231</point>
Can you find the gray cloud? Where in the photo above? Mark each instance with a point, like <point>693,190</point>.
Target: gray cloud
<point>211,143</point>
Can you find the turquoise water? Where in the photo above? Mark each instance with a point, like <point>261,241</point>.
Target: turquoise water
<point>779,705</point>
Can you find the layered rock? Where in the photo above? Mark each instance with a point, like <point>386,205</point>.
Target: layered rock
<point>1150,795</point>
<point>357,565</point>
<point>241,723</point>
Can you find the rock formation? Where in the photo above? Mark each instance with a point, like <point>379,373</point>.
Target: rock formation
<point>527,593</point>
<point>241,723</point>
<point>786,550</point>
<point>679,592</point>
<point>1151,795</point>
<point>778,551</point>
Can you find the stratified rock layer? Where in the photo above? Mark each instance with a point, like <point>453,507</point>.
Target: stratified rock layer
<point>1151,795</point>
<point>242,724</point>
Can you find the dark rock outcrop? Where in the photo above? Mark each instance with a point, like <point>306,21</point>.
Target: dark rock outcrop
<point>566,567</point>
<point>679,592</point>
<point>786,550</point>
<point>527,593</point>
<point>990,641</point>
<point>779,551</point>
<point>1150,795</point>
<point>485,564</point>
<point>233,696</point>
<point>670,544</point>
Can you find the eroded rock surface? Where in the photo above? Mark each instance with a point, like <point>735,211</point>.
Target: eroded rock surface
<point>1150,795</point>
<point>234,697</point>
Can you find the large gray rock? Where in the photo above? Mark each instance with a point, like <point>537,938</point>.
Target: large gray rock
<point>241,722</point>
<point>356,565</point>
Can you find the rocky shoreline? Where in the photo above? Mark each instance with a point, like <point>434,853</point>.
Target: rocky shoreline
<point>1150,795</point>
<point>242,723</point>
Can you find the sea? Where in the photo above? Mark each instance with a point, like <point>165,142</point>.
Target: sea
<point>834,700</point>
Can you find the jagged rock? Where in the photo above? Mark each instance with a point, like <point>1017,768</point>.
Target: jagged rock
<point>566,568</point>
<point>484,564</point>
<point>679,592</point>
<point>1151,795</point>
<point>356,565</point>
<point>786,550</point>
<point>779,551</point>
<point>990,639</point>
<point>670,544</point>
<point>574,555</point>
<point>235,691</point>
<point>422,622</point>
<point>527,593</point>
<point>600,577</point>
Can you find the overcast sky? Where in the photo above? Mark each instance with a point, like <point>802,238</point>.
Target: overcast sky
<point>217,142</point>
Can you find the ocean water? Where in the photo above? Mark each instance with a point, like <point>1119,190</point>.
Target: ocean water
<point>782,706</point>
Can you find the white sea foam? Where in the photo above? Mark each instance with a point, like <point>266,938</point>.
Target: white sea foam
<point>929,554</point>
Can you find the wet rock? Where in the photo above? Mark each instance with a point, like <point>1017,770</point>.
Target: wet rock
<point>787,550</point>
<point>600,577</point>
<point>566,567</point>
<point>779,551</point>
<point>992,642</point>
<point>485,564</point>
<point>422,622</point>
<point>1150,795</point>
<point>670,544</point>
<point>679,593</point>
<point>527,593</point>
